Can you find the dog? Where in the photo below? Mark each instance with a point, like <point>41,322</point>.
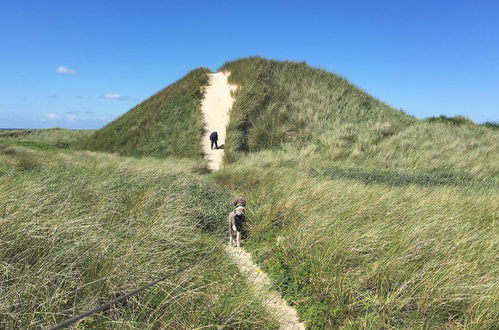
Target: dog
<point>239,202</point>
<point>236,224</point>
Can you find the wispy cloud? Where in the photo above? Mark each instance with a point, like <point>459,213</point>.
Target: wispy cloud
<point>65,70</point>
<point>115,96</point>
<point>54,96</point>
<point>72,116</point>
<point>78,112</point>
<point>50,116</point>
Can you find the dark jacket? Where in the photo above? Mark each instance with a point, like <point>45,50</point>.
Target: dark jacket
<point>214,136</point>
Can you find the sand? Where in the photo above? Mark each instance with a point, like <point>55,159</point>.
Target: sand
<point>216,107</point>
<point>259,281</point>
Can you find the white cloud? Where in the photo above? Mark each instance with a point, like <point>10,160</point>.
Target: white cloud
<point>115,96</point>
<point>83,117</point>
<point>50,116</point>
<point>65,70</point>
<point>72,116</point>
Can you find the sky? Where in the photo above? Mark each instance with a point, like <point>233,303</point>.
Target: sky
<point>81,64</point>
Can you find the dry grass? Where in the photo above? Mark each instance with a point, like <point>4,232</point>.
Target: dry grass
<point>357,255</point>
<point>364,216</point>
<point>79,228</point>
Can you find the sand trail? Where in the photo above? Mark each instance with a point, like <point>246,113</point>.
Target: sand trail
<point>216,107</point>
<point>287,316</point>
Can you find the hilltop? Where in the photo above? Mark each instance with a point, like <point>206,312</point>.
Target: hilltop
<point>169,123</point>
<point>314,115</point>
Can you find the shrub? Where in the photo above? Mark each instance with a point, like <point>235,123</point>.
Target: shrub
<point>27,162</point>
<point>457,120</point>
<point>491,125</point>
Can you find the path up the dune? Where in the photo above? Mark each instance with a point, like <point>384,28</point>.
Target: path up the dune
<point>216,107</point>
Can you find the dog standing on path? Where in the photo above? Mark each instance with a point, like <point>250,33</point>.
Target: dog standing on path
<point>236,222</point>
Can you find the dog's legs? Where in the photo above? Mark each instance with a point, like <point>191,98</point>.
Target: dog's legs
<point>230,240</point>
<point>238,239</point>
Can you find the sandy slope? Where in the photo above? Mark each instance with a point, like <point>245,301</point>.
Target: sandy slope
<point>286,315</point>
<point>216,106</point>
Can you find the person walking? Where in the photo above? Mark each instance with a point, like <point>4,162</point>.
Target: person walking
<point>214,140</point>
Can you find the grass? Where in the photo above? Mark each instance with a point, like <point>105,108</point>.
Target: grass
<point>169,123</point>
<point>352,254</point>
<point>44,139</point>
<point>79,228</point>
<point>318,117</point>
<point>363,216</point>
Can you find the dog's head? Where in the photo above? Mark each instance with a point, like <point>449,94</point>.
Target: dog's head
<point>240,210</point>
<point>239,202</point>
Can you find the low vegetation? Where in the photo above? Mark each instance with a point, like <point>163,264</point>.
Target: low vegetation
<point>45,139</point>
<point>357,253</point>
<point>363,216</point>
<point>80,228</point>
<point>169,123</point>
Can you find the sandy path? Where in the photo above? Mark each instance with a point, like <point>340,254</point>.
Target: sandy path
<point>216,106</point>
<point>260,282</point>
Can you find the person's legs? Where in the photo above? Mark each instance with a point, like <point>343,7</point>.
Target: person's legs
<point>216,144</point>
<point>212,141</point>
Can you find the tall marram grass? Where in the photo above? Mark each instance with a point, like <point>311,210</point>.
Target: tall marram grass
<point>169,123</point>
<point>287,102</point>
<point>363,216</point>
<point>315,115</point>
<point>80,228</point>
<point>355,255</point>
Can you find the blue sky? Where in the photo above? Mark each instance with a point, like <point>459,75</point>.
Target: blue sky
<point>80,64</point>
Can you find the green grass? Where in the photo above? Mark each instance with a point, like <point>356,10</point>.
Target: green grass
<point>44,139</point>
<point>169,123</point>
<point>363,216</point>
<point>359,254</point>
<point>79,228</point>
<point>311,115</point>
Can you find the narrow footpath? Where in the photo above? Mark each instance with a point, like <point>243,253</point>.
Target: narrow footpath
<point>260,282</point>
<point>216,106</point>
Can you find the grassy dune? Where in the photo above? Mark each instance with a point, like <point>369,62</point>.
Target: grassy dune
<point>79,228</point>
<point>363,216</point>
<point>169,123</point>
<point>313,115</point>
<point>287,102</point>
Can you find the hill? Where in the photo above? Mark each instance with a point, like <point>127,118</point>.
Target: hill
<point>363,216</point>
<point>169,123</point>
<point>312,114</point>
